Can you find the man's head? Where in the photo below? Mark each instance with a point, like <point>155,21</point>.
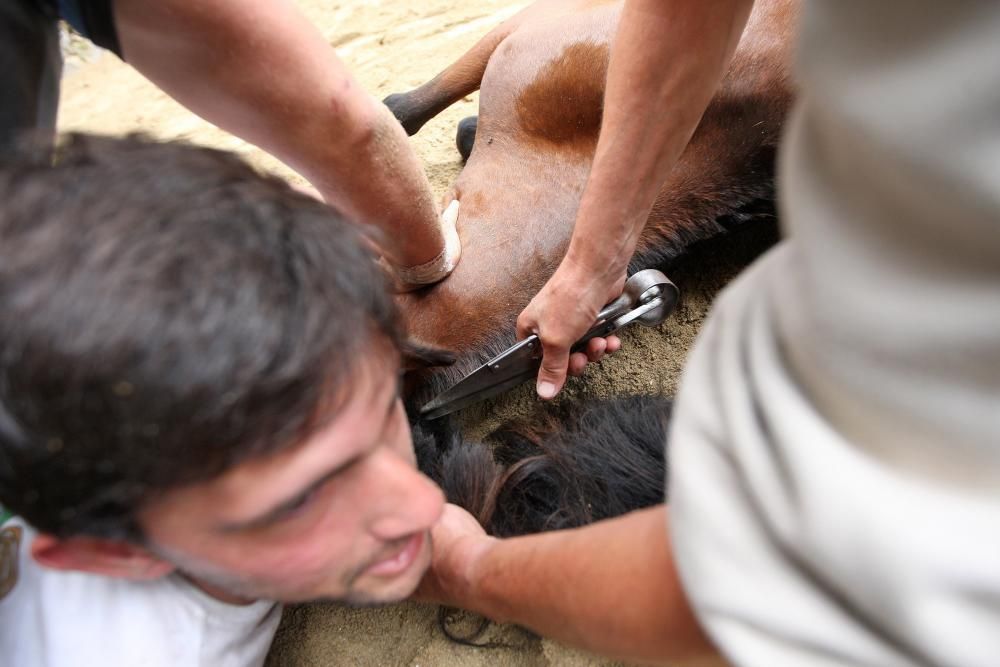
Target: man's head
<point>199,369</point>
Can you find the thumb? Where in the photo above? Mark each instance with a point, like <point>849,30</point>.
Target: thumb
<point>552,374</point>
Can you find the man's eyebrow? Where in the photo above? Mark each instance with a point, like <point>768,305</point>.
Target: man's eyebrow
<point>285,506</point>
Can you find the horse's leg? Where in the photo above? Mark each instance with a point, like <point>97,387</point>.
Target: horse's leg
<point>459,79</point>
<point>463,77</point>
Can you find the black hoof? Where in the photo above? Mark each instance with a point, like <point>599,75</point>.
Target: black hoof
<point>465,137</point>
<point>402,107</point>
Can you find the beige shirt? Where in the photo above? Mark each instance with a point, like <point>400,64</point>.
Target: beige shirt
<point>836,440</point>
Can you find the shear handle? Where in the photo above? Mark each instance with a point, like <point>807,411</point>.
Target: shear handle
<point>619,306</point>
<point>639,288</point>
<point>640,314</point>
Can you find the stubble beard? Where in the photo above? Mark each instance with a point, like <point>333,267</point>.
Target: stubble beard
<point>213,581</point>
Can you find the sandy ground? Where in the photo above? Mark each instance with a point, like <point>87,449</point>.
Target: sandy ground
<point>393,46</point>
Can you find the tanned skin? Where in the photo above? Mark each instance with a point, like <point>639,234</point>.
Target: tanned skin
<point>667,61</point>
<point>611,587</point>
<point>259,69</point>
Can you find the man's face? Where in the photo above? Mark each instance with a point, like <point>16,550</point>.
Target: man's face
<point>345,515</point>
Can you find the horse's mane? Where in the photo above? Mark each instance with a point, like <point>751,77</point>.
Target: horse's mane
<point>573,465</point>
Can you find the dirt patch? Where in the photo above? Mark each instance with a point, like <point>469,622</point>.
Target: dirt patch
<point>392,47</point>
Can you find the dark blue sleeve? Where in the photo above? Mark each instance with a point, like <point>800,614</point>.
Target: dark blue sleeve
<point>94,19</point>
<point>30,68</point>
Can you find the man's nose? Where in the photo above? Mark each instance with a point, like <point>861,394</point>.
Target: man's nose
<point>406,502</point>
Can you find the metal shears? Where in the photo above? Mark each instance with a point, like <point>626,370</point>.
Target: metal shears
<point>648,298</point>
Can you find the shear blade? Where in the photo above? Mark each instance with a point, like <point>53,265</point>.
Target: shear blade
<point>444,405</point>
<point>501,373</point>
<point>520,363</point>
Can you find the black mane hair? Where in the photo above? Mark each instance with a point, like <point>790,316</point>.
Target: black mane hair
<point>581,463</point>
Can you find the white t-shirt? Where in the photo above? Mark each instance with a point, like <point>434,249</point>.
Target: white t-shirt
<point>835,447</point>
<point>52,618</point>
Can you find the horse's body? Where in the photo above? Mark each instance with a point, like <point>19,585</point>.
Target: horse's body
<point>542,77</point>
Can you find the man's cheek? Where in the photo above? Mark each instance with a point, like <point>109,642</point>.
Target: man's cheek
<point>294,560</point>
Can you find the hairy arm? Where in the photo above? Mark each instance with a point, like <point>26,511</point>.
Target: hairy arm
<point>259,69</point>
<point>610,587</point>
<point>667,60</point>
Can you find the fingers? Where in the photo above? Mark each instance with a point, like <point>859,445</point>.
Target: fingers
<point>458,541</point>
<point>592,353</point>
<point>559,314</point>
<point>577,364</point>
<point>596,350</point>
<point>552,374</point>
<point>557,361</point>
<point>555,353</point>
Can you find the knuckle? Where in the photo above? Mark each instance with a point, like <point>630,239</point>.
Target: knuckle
<point>557,340</point>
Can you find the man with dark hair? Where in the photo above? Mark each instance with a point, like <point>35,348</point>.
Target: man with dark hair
<point>199,402</point>
<point>260,70</point>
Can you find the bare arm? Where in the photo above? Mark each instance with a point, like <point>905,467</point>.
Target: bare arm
<point>259,69</point>
<point>667,60</point>
<point>610,587</point>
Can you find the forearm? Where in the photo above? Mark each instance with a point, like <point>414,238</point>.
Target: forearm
<point>610,588</point>
<point>261,71</point>
<point>667,60</point>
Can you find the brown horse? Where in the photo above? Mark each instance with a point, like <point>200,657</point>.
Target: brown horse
<point>542,76</point>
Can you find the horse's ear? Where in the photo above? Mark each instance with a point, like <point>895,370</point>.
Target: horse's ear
<point>417,356</point>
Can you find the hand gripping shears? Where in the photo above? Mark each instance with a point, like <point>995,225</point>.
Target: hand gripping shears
<point>648,298</point>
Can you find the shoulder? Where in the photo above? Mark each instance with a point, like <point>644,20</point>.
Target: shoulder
<point>56,617</point>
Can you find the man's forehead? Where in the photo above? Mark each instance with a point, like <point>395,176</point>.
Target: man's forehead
<point>352,412</point>
<point>350,423</point>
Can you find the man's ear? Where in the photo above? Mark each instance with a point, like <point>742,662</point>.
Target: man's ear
<point>110,558</point>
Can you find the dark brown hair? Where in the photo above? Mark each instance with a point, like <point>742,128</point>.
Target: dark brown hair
<point>166,312</point>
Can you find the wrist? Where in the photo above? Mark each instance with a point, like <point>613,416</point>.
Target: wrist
<point>591,270</point>
<point>471,564</point>
<point>611,216</point>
